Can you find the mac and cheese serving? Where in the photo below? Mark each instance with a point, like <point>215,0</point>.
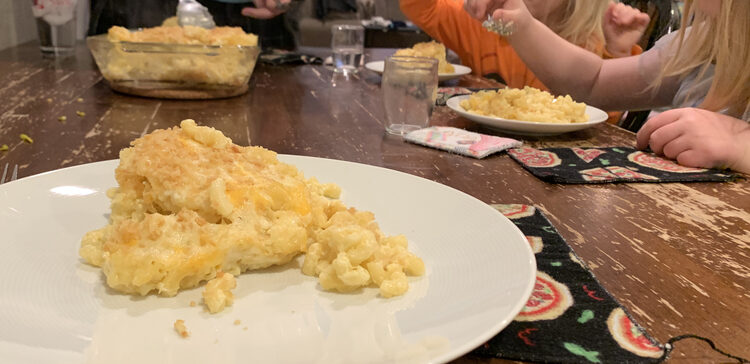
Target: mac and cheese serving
<point>191,207</point>
<point>528,104</point>
<point>430,50</point>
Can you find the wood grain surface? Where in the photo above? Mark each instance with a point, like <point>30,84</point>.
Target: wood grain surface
<point>677,256</point>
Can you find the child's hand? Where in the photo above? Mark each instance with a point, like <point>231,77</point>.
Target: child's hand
<point>623,27</point>
<point>266,9</point>
<point>505,10</point>
<point>698,138</point>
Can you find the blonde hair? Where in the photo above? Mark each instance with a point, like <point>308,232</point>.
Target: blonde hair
<point>582,24</point>
<point>723,40</point>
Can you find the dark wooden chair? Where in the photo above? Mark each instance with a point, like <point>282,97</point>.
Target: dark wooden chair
<point>665,18</point>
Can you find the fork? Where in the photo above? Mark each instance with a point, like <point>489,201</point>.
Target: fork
<point>13,177</point>
<point>191,12</point>
<point>499,26</point>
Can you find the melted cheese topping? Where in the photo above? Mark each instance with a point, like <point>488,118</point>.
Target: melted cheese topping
<point>184,35</point>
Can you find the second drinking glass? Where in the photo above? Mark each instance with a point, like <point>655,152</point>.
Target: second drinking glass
<point>347,43</point>
<point>409,90</point>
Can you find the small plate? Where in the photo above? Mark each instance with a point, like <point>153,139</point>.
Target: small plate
<point>519,127</point>
<point>379,66</point>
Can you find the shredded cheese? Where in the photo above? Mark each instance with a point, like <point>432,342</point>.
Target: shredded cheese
<point>26,138</point>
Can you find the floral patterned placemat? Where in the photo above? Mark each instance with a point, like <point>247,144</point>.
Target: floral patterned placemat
<point>570,317</point>
<point>609,165</point>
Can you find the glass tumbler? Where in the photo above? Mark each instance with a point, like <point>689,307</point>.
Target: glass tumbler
<point>56,25</point>
<point>409,90</point>
<point>347,44</point>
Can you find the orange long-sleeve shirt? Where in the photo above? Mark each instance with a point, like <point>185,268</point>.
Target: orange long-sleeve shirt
<point>485,52</point>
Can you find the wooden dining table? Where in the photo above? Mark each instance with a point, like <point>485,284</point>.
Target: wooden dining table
<point>675,255</point>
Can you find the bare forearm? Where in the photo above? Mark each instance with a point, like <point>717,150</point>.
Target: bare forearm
<point>612,84</point>
<point>562,66</point>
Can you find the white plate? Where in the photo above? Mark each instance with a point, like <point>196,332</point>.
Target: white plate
<point>56,309</point>
<point>596,116</point>
<point>379,66</point>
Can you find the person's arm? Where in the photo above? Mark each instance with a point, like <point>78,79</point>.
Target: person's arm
<point>613,84</point>
<point>699,138</point>
<point>267,9</point>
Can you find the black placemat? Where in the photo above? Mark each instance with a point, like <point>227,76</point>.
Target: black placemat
<point>283,57</point>
<point>570,317</point>
<point>609,165</point>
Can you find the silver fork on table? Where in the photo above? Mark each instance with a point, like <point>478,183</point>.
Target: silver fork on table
<point>13,177</point>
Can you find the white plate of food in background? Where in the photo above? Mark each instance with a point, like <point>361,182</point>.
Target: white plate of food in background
<point>531,128</point>
<point>459,70</point>
<point>55,308</point>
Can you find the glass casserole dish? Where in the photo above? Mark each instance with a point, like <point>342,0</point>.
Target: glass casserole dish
<point>170,70</point>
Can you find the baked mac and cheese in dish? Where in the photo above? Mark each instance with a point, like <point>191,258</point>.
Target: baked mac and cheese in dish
<point>182,55</point>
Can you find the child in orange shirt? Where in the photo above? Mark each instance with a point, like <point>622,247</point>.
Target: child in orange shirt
<point>588,23</point>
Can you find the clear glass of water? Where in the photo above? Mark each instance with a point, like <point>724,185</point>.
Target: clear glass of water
<point>56,25</point>
<point>409,90</point>
<point>348,44</point>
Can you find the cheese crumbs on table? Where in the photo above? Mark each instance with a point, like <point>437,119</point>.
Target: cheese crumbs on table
<point>190,205</point>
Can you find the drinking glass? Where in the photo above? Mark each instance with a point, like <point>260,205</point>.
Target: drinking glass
<point>409,89</point>
<point>365,9</point>
<point>348,44</point>
<point>56,25</point>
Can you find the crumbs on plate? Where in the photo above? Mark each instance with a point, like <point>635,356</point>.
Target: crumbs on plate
<point>192,207</point>
<point>218,292</point>
<point>181,329</point>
